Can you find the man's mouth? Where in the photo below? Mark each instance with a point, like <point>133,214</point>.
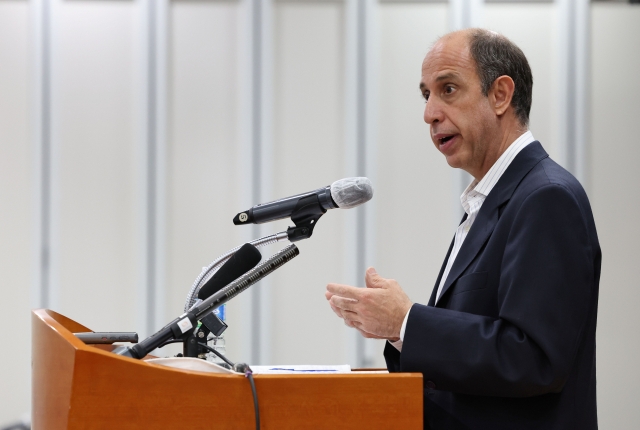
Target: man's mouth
<point>445,139</point>
<point>446,142</point>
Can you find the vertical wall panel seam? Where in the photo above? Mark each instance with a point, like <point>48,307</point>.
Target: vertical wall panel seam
<point>151,167</point>
<point>150,305</point>
<point>42,134</point>
<point>160,159</point>
<point>371,65</point>
<point>361,148</point>
<point>582,29</point>
<point>352,343</point>
<point>574,74</point>
<point>46,154</point>
<point>461,17</point>
<point>256,118</point>
<point>571,87</point>
<point>360,132</point>
<point>262,171</point>
<point>267,168</point>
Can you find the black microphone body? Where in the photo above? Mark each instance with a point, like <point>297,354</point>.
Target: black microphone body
<point>173,330</point>
<point>283,208</point>
<point>244,259</point>
<point>247,280</point>
<point>344,194</point>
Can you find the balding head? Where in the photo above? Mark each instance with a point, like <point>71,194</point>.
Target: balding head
<point>474,105</point>
<point>495,55</point>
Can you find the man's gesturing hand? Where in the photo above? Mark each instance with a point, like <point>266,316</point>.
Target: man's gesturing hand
<point>376,311</point>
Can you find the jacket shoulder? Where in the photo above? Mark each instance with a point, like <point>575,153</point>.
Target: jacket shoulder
<point>550,173</point>
<point>548,179</point>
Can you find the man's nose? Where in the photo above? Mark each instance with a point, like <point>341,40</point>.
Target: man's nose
<point>433,111</point>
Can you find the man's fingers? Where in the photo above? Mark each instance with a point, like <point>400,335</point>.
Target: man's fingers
<point>341,312</point>
<point>344,291</point>
<point>350,319</point>
<point>343,303</point>
<point>336,310</point>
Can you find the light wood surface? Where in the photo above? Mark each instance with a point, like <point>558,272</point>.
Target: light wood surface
<point>78,386</point>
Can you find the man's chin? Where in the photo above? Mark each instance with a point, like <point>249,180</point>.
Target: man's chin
<point>453,161</point>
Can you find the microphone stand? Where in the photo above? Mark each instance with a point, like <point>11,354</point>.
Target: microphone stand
<point>195,340</point>
<point>185,323</point>
<point>305,216</point>
<point>211,269</point>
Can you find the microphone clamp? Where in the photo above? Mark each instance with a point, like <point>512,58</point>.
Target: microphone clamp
<point>305,216</point>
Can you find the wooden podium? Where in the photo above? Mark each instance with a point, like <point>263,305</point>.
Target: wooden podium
<point>78,386</point>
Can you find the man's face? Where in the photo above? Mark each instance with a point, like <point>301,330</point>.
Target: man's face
<point>462,121</point>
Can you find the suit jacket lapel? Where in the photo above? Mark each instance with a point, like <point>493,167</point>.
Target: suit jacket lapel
<point>488,216</point>
<point>432,300</point>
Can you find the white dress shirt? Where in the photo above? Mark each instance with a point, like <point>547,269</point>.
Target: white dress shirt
<point>472,199</point>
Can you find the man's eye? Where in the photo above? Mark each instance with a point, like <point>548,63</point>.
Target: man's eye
<point>449,89</point>
<point>426,96</point>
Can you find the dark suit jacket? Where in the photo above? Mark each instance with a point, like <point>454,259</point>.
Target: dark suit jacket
<point>511,342</point>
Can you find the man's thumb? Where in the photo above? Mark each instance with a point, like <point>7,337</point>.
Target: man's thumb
<point>372,279</point>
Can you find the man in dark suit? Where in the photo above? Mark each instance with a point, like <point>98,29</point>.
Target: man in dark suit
<point>507,340</point>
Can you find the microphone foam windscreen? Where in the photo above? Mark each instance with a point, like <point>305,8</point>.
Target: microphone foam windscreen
<point>245,259</point>
<point>351,192</point>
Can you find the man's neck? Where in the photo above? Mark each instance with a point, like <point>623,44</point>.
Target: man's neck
<point>506,139</point>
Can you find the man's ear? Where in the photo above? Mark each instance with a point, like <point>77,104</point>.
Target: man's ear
<point>501,94</point>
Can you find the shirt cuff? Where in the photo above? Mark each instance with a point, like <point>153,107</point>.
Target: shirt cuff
<point>404,325</point>
<point>398,344</point>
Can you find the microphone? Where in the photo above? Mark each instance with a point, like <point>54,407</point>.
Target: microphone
<point>185,322</point>
<point>248,279</point>
<point>244,259</point>
<point>344,194</point>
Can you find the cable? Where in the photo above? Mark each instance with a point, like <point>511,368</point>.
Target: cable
<point>249,374</point>
<point>225,359</point>
<point>240,367</point>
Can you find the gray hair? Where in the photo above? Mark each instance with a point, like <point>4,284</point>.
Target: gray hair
<point>495,56</point>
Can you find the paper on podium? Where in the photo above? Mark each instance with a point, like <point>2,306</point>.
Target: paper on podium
<point>199,365</point>
<point>301,369</point>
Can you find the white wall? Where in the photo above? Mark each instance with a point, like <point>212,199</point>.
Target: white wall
<point>308,152</point>
<point>98,84</point>
<point>203,146</point>
<point>534,28</point>
<point>17,209</point>
<point>615,109</point>
<point>413,193</point>
<point>94,246</point>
